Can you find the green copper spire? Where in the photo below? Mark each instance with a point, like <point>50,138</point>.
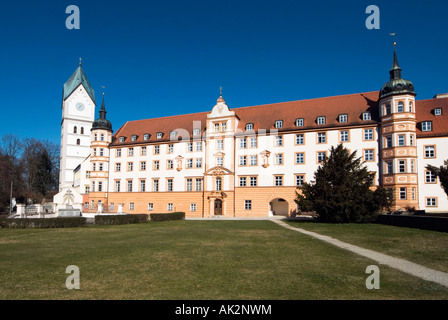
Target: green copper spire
<point>78,78</point>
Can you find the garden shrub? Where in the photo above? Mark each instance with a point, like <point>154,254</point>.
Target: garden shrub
<point>61,222</point>
<point>105,220</point>
<point>167,216</point>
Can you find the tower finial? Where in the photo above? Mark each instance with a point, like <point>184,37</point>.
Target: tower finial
<point>220,91</point>
<point>80,61</point>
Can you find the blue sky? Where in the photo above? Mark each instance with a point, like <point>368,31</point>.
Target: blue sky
<point>161,58</point>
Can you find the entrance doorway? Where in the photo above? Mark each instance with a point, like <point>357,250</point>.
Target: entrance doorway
<point>278,207</point>
<point>218,207</point>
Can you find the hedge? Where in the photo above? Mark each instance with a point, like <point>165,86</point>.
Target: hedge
<point>167,216</point>
<point>61,222</point>
<point>105,220</point>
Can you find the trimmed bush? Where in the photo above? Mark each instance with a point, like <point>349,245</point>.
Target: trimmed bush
<point>167,216</point>
<point>62,222</point>
<point>106,220</point>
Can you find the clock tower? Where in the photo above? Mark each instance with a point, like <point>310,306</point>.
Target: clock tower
<point>78,114</point>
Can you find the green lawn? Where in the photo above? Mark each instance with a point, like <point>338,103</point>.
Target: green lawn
<point>192,260</point>
<point>428,248</point>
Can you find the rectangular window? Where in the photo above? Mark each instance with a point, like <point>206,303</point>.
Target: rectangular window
<point>278,159</point>
<point>253,160</point>
<point>278,181</point>
<point>100,186</point>
<point>300,179</point>
<point>130,151</point>
<point>143,165</point>
<point>111,206</point>
<point>101,152</point>
<point>430,151</point>
<point>279,141</point>
<point>300,157</point>
<point>198,146</point>
<point>129,186</point>
<point>143,151</point>
<point>199,163</point>
<point>242,182</point>
<point>402,166</point>
<point>368,134</point>
<point>189,163</point>
<point>169,185</point>
<point>118,153</point>
<point>427,126</point>
<point>219,144</point>
<point>130,166</point>
<point>150,206</point>
<point>156,149</point>
<point>279,124</point>
<point>322,137</point>
<point>300,138</point>
<point>220,161</point>
<point>343,118</point>
<point>253,181</point>
<point>402,194</point>
<point>169,164</point>
<point>320,120</point>
<point>170,148</point>
<point>198,186</point>
<point>389,142</point>
<point>321,156</point>
<point>412,166</point>
<point>243,143</point>
<point>169,207</point>
<point>155,185</point>
<point>142,185</point>
<point>388,109</point>
<point>101,166</point>
<point>366,116</point>
<point>156,165</point>
<point>190,147</point>
<point>344,136</point>
<point>243,160</point>
<point>131,206</point>
<point>218,184</point>
<point>431,202</point>
<point>368,155</point>
<point>299,122</point>
<point>193,207</point>
<point>118,167</point>
<point>389,167</point>
<point>401,140</point>
<point>247,204</point>
<point>189,184</point>
<point>249,126</point>
<point>253,142</point>
<point>430,177</point>
<point>216,127</point>
<point>223,127</point>
<point>117,186</point>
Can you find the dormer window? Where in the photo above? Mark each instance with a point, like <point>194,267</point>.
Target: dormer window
<point>134,137</point>
<point>173,135</point>
<point>300,122</point>
<point>146,136</point>
<point>279,124</point>
<point>249,126</point>
<point>196,132</point>
<point>343,118</point>
<point>438,111</point>
<point>366,116</point>
<point>159,135</point>
<point>121,139</point>
<point>321,120</point>
<point>427,126</point>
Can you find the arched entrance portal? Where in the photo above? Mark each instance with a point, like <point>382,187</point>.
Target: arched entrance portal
<point>278,207</point>
<point>218,207</point>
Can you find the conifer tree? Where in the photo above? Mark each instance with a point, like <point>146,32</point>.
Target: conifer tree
<point>343,190</point>
<point>441,173</point>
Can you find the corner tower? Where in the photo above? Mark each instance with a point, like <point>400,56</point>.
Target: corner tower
<point>101,137</point>
<point>78,112</point>
<point>398,138</point>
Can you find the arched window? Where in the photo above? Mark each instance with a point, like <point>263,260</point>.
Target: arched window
<point>410,106</point>
<point>82,130</point>
<point>96,137</point>
<point>75,129</point>
<point>78,142</point>
<point>400,107</point>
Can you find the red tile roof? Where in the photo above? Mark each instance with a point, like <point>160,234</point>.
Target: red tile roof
<point>264,117</point>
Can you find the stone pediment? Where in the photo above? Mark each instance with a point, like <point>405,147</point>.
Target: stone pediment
<point>218,171</point>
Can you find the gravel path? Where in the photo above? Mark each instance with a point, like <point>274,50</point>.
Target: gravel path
<point>396,263</point>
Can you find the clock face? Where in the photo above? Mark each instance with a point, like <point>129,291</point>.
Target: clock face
<point>79,106</point>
